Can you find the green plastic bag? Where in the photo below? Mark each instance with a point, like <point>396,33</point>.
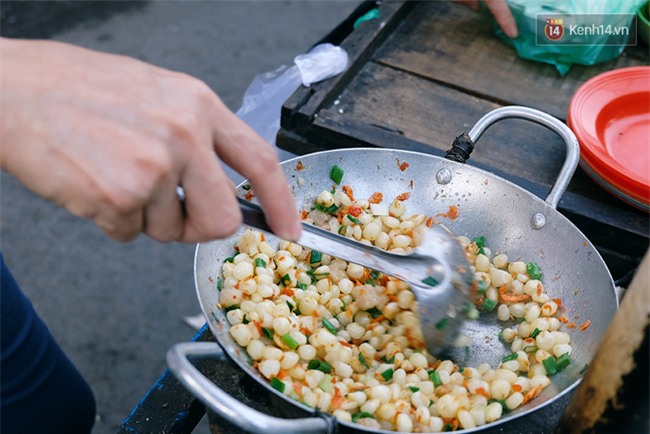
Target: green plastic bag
<point>573,48</point>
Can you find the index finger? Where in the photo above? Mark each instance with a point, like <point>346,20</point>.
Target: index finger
<point>503,16</point>
<point>245,151</point>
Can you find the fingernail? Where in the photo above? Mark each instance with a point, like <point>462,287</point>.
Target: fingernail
<point>512,32</point>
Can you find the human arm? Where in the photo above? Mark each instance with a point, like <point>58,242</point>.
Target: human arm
<point>110,138</point>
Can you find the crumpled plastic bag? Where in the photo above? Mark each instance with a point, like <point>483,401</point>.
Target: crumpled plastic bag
<point>262,101</point>
<point>564,56</point>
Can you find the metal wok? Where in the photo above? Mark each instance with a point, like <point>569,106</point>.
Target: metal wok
<point>512,220</point>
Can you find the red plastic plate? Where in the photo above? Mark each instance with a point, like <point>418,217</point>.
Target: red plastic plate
<point>610,115</point>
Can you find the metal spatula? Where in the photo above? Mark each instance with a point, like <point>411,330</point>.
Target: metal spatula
<point>437,271</point>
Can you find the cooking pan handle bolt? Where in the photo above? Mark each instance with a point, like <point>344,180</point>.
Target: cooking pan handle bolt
<point>464,144</point>
<point>538,221</point>
<point>443,176</point>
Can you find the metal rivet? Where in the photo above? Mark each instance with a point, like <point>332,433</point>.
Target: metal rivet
<point>538,221</point>
<point>443,176</point>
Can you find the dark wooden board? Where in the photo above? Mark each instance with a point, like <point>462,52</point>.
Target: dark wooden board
<point>447,43</point>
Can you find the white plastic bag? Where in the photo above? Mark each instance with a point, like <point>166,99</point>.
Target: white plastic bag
<point>262,102</point>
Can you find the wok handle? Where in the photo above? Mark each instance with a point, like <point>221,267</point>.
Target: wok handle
<point>545,120</point>
<point>236,412</point>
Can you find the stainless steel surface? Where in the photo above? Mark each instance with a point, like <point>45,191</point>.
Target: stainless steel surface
<point>489,206</point>
<point>439,256</point>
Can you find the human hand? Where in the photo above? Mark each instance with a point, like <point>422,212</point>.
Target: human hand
<point>110,138</point>
<point>501,12</point>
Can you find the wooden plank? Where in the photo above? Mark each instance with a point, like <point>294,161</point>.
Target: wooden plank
<point>299,110</point>
<point>450,44</point>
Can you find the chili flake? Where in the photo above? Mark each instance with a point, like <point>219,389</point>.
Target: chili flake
<point>376,198</point>
<point>404,196</point>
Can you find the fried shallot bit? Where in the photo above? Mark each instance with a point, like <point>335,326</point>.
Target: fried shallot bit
<point>299,166</point>
<point>403,166</point>
<point>376,198</point>
<point>585,325</point>
<point>348,192</point>
<point>404,196</point>
<point>249,195</point>
<point>452,213</point>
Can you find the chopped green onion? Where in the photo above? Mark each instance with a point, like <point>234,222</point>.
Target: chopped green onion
<point>480,241</point>
<point>363,361</point>
<point>374,312</point>
<point>267,332</point>
<point>447,427</point>
<point>435,378</point>
<point>500,401</point>
<point>285,279</point>
<point>481,251</point>
<point>482,286</point>
<point>219,283</point>
<point>388,374</point>
<point>387,360</point>
<point>229,308</point>
<point>533,271</point>
<point>326,209</point>
<point>511,356</point>
<point>289,341</point>
<point>414,389</point>
<point>277,384</point>
<point>329,326</point>
<point>374,274</point>
<point>246,187</point>
<point>550,365</point>
<point>429,280</point>
<point>336,174</point>
<point>302,286</point>
<point>563,361</point>
<point>442,324</point>
<point>259,262</point>
<point>535,333</point>
<point>530,349</point>
<point>245,320</point>
<point>488,304</point>
<point>319,365</point>
<point>231,259</point>
<point>342,306</point>
<point>315,257</point>
<point>326,383</point>
<point>470,311</point>
<point>584,368</point>
<point>354,219</point>
<point>361,415</point>
<point>341,230</point>
<point>291,306</point>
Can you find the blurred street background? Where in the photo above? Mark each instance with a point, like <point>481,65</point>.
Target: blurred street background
<point>116,308</point>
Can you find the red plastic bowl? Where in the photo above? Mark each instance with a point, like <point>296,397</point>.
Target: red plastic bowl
<point>610,115</point>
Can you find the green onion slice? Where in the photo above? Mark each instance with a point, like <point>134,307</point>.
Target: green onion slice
<point>363,361</point>
<point>511,356</point>
<point>361,415</point>
<point>259,262</point>
<point>277,384</point>
<point>442,324</point>
<point>535,333</point>
<point>388,374</point>
<point>267,332</point>
<point>219,283</point>
<point>429,280</point>
<point>285,279</point>
<point>551,365</point>
<point>563,361</point>
<point>488,304</point>
<point>354,219</point>
<point>374,312</point>
<point>533,271</point>
<point>289,341</point>
<point>315,257</point>
<point>231,259</point>
<point>319,365</point>
<point>480,241</point>
<point>329,326</point>
<point>435,378</point>
<point>414,389</point>
<point>336,174</point>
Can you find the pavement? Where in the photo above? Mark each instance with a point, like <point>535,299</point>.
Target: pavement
<point>116,308</point>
